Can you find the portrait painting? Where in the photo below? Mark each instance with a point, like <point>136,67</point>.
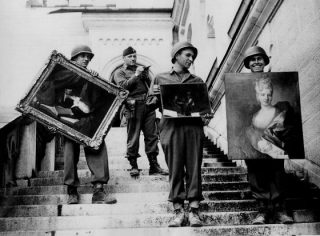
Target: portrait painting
<point>184,100</point>
<point>263,116</point>
<point>69,99</point>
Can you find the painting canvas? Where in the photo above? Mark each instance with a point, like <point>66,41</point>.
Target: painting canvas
<point>184,100</point>
<point>69,99</point>
<point>263,116</point>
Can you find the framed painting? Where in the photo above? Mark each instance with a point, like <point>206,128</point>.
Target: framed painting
<point>69,99</point>
<point>263,116</point>
<point>184,100</point>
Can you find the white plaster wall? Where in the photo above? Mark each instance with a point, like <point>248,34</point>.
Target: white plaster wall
<point>28,35</point>
<point>151,38</point>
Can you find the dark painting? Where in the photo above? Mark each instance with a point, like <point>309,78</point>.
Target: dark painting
<point>69,99</point>
<point>184,100</point>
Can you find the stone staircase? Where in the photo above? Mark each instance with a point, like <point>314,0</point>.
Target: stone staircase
<point>38,206</point>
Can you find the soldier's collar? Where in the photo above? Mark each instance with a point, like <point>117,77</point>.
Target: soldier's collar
<point>174,71</point>
<point>128,67</point>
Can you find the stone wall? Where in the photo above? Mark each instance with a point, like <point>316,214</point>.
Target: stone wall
<point>291,38</point>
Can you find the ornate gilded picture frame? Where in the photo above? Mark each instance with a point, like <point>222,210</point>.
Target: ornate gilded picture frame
<point>71,100</point>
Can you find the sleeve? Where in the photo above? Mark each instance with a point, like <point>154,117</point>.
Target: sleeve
<point>153,99</point>
<point>122,81</point>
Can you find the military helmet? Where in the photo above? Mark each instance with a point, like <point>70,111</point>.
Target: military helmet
<point>252,51</point>
<point>81,49</point>
<point>182,45</point>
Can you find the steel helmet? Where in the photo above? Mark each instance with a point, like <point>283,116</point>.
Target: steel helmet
<point>182,45</point>
<point>81,49</point>
<point>255,50</point>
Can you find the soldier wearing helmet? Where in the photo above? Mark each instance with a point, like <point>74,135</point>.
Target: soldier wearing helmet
<point>181,141</point>
<point>265,175</point>
<point>87,113</point>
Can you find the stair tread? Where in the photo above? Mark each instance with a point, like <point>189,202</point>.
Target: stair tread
<point>253,230</point>
<point>116,221</point>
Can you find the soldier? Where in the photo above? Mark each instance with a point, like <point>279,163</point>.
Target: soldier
<point>266,176</point>
<point>136,80</point>
<point>182,142</point>
<point>54,94</point>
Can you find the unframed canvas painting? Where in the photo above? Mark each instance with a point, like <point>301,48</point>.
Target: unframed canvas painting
<point>263,116</point>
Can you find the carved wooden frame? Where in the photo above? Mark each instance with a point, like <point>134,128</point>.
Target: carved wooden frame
<point>25,107</point>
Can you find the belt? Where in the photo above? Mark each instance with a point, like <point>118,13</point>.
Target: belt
<point>140,97</point>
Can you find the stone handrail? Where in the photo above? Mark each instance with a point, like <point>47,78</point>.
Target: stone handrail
<point>18,140</point>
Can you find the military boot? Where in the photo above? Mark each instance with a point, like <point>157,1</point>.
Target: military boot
<point>73,195</point>
<point>155,167</point>
<point>100,197</point>
<point>263,215</point>
<point>134,171</point>
<point>179,218</point>
<point>194,217</point>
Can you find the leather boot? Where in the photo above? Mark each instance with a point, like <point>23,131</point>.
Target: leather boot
<point>281,213</point>
<point>194,217</point>
<point>262,216</point>
<point>99,196</point>
<point>134,167</point>
<point>155,167</point>
<point>179,218</point>
<point>73,195</point>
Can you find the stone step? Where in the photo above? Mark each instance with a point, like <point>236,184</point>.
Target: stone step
<point>56,199</point>
<point>126,208</point>
<point>163,207</point>
<point>135,187</point>
<point>124,172</point>
<point>221,156</point>
<point>145,179</point>
<point>215,159</point>
<point>120,221</point>
<point>219,164</point>
<point>252,230</point>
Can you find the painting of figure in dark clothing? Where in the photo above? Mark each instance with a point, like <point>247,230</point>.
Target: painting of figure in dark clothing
<point>70,99</point>
<point>73,100</point>
<point>264,116</point>
<point>184,100</point>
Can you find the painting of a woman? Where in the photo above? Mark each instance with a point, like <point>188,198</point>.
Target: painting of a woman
<point>272,129</point>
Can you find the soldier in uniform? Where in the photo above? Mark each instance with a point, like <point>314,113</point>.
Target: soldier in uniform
<point>53,94</point>
<point>182,142</point>
<point>266,176</point>
<point>139,116</point>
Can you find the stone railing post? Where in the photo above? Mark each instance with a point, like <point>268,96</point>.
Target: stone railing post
<point>26,162</point>
<point>48,162</point>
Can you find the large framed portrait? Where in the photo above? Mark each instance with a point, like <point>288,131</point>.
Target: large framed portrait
<point>71,100</point>
<point>184,100</point>
<point>263,116</point>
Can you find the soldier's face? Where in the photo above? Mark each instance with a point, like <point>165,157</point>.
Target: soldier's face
<point>83,59</point>
<point>256,63</point>
<point>185,58</point>
<point>130,59</point>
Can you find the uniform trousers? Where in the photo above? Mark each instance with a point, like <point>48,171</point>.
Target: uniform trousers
<point>266,178</point>
<point>182,143</point>
<point>142,120</point>
<point>97,161</point>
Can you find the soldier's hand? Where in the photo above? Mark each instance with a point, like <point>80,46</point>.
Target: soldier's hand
<point>206,119</point>
<point>52,130</point>
<point>94,73</point>
<point>139,70</point>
